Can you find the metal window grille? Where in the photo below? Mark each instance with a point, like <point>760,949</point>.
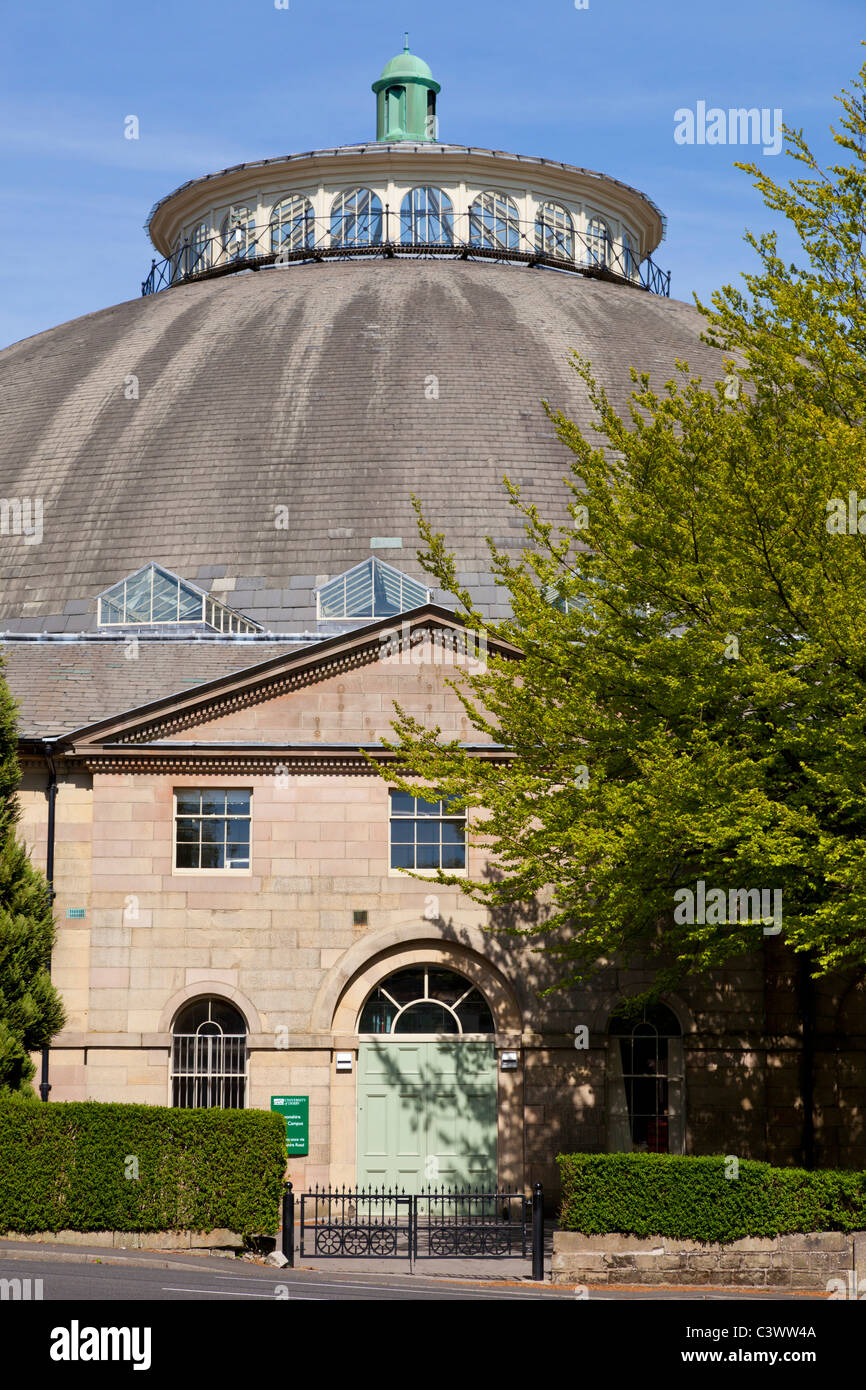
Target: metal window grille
<point>209,1069</point>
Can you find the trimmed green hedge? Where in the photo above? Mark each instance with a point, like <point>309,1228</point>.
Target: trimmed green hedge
<point>691,1199</point>
<point>64,1166</point>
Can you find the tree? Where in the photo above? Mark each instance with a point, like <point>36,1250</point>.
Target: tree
<point>691,706</point>
<point>30,1008</point>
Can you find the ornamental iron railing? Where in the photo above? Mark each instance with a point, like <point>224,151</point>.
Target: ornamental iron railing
<point>387,1224</point>
<point>345,236</point>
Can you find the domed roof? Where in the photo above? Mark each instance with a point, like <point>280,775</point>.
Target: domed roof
<point>406,64</point>
<point>334,391</point>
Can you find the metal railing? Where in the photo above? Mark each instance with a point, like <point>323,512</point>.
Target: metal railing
<point>465,1223</point>
<point>472,236</point>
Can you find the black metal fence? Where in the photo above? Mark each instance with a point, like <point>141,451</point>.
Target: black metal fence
<point>432,1224</point>
<point>473,236</point>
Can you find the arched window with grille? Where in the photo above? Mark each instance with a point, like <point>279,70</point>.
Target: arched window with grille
<point>426,215</point>
<point>426,999</point>
<point>356,218</point>
<point>597,243</point>
<point>209,1056</point>
<point>645,1082</point>
<point>238,233</point>
<point>554,231</point>
<point>494,222</point>
<point>292,224</point>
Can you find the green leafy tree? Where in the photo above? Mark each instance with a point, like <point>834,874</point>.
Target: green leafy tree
<point>691,702</point>
<point>30,1008</point>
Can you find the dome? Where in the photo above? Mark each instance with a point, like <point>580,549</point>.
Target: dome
<point>406,65</point>
<point>172,429</point>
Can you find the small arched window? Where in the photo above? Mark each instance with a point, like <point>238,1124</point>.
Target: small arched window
<point>238,233</point>
<point>597,243</point>
<point>426,999</point>
<point>494,222</point>
<point>426,216</point>
<point>209,1056</point>
<point>292,224</point>
<point>356,219</point>
<point>645,1082</point>
<point>554,231</point>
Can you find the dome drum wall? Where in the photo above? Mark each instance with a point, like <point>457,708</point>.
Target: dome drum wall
<point>391,172</point>
<point>334,391</point>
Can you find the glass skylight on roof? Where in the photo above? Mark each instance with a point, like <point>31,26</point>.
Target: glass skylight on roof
<point>154,596</point>
<point>370,590</point>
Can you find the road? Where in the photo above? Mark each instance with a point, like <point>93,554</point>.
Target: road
<point>81,1278</point>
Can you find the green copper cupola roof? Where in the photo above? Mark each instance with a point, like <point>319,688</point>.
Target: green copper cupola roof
<point>406,99</point>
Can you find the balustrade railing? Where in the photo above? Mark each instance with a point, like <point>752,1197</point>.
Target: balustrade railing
<point>474,235</point>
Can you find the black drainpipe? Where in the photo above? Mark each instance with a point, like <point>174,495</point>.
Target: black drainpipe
<point>806,1001</point>
<point>44,1086</point>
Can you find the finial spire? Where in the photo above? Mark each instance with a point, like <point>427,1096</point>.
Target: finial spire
<point>406,41</point>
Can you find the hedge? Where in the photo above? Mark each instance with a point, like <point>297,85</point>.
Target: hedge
<point>70,1166</point>
<point>692,1199</point>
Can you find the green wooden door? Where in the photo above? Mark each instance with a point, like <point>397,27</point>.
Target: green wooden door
<point>426,1114</point>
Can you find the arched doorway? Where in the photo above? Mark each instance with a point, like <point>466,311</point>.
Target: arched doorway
<point>427,1083</point>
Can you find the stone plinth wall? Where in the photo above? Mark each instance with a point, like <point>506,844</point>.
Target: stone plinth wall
<point>138,1240</point>
<point>791,1261</point>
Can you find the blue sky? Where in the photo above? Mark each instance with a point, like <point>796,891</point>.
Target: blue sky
<point>214,83</point>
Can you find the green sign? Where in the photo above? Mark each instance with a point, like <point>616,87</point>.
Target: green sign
<point>295,1110</point>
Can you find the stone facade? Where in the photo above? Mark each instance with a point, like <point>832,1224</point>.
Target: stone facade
<point>281,942</point>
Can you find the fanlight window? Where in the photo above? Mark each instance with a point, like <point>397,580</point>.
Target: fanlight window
<point>370,590</point>
<point>494,222</point>
<point>153,596</point>
<point>426,999</point>
<point>356,219</point>
<point>292,224</point>
<point>209,1056</point>
<point>645,1082</point>
<point>238,232</point>
<point>426,215</point>
<point>597,243</point>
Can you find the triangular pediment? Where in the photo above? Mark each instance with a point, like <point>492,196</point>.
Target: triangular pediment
<point>359,673</point>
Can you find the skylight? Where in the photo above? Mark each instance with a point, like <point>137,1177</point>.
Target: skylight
<point>370,590</point>
<point>154,596</point>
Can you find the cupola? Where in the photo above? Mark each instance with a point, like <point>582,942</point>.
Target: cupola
<point>406,99</point>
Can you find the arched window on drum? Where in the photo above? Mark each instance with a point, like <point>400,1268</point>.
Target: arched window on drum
<point>554,231</point>
<point>426,216</point>
<point>356,218</point>
<point>597,243</point>
<point>494,222</point>
<point>292,224</point>
<point>238,233</point>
